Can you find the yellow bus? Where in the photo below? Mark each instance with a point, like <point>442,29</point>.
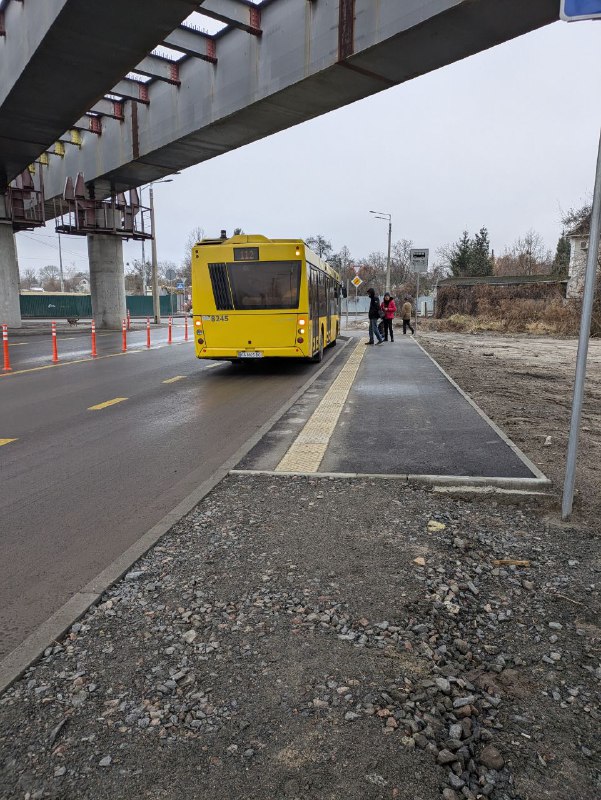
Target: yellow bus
<point>254,297</point>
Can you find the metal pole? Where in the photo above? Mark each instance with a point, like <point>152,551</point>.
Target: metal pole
<point>388,259</point>
<point>416,301</point>
<point>583,340</point>
<point>155,278</point>
<point>60,262</point>
<point>143,270</point>
<point>347,288</point>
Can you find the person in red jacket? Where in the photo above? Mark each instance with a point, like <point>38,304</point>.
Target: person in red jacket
<point>389,309</point>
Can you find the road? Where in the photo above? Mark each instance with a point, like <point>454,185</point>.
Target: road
<point>82,479</point>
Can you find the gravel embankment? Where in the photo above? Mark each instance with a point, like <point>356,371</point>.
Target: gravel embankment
<point>317,639</point>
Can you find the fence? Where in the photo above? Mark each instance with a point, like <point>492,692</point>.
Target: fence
<point>60,306</point>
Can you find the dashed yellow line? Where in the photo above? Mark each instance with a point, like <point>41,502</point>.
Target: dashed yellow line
<point>107,403</point>
<point>174,379</point>
<point>307,451</point>
<point>6,441</point>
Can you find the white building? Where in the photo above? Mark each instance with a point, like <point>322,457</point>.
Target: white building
<point>579,238</point>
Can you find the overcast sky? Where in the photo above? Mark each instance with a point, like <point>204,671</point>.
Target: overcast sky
<point>505,139</point>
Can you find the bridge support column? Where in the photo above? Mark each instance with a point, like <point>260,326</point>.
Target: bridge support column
<point>107,283</point>
<point>10,308</point>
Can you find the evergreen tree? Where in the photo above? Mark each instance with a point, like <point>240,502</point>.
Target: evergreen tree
<point>480,258</point>
<point>460,256</point>
<point>561,262</point>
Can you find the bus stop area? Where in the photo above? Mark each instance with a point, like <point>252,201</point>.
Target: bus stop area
<point>323,625</point>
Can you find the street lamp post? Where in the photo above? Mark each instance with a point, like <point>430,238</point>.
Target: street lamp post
<point>60,262</point>
<point>386,216</point>
<point>156,308</point>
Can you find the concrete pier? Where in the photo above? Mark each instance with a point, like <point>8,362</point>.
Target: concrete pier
<point>107,284</point>
<point>10,309</point>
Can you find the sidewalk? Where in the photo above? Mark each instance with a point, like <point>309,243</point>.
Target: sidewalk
<point>311,638</point>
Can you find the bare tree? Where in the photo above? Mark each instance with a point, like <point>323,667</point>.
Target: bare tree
<point>527,256</point>
<point>195,235</point>
<point>321,245</point>
<point>29,279</point>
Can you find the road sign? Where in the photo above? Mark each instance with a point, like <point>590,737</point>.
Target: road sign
<point>419,260</point>
<point>574,10</point>
<point>357,270</point>
<point>170,274</point>
<point>179,285</point>
<point>356,281</point>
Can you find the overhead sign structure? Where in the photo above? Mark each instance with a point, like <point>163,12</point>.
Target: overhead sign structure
<point>419,260</point>
<point>356,281</point>
<point>574,10</point>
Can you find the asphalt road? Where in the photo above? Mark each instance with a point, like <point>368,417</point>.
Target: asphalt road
<point>79,485</point>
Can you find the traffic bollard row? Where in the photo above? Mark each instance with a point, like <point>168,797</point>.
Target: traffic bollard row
<point>94,353</point>
<point>124,337</point>
<point>147,331</point>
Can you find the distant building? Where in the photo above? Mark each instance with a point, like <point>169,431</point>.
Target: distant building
<point>579,239</point>
<point>83,286</point>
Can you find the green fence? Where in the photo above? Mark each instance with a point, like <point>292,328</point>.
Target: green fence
<point>60,306</point>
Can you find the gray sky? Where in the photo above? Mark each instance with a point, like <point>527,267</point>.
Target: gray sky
<point>506,139</point>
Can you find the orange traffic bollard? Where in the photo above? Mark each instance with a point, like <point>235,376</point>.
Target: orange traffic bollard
<point>94,353</point>
<point>54,345</point>
<point>124,336</point>
<point>169,337</point>
<point>128,320</point>
<point>185,329</point>
<point>7,367</point>
<point>147,331</point>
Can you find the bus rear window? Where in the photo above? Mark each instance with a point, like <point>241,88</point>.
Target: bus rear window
<point>265,284</point>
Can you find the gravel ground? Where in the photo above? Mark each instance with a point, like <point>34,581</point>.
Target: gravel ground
<point>309,639</point>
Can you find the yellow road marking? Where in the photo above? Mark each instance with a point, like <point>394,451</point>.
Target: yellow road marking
<point>176,378</point>
<point>307,451</point>
<point>107,403</point>
<point>18,344</point>
<point>6,441</point>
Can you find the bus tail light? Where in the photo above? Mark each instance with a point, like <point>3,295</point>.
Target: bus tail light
<point>300,339</point>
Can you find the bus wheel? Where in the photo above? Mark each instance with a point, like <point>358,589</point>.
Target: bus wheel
<point>318,356</point>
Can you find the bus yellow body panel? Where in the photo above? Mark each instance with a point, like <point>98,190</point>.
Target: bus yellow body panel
<point>254,297</point>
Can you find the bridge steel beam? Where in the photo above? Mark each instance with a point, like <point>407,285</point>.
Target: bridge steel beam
<point>312,58</point>
<point>240,14</point>
<point>192,43</point>
<point>58,57</point>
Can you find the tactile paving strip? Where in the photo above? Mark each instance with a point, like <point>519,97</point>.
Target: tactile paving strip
<point>307,451</point>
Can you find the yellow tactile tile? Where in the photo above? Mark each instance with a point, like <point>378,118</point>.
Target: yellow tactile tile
<point>307,451</point>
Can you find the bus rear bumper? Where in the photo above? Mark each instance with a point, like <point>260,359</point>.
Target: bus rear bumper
<point>226,354</point>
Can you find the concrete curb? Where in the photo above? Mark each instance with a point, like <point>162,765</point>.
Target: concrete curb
<point>32,648</point>
<point>464,481</point>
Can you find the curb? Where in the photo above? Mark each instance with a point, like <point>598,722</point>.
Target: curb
<point>463,481</point>
<point>32,648</point>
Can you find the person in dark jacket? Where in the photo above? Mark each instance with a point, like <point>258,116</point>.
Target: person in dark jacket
<point>374,317</point>
<point>389,309</point>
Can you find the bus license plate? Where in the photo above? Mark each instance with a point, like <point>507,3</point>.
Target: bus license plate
<point>250,354</point>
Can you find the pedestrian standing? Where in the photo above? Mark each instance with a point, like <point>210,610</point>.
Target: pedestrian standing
<point>389,309</point>
<point>375,315</point>
<point>406,312</point>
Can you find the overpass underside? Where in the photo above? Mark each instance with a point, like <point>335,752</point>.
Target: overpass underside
<point>272,67</point>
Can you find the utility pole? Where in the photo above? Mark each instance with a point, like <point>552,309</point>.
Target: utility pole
<point>155,278</point>
<point>388,259</point>
<point>60,262</point>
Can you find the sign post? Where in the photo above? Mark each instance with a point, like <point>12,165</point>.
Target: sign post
<point>575,10</point>
<point>356,283</point>
<point>419,265</point>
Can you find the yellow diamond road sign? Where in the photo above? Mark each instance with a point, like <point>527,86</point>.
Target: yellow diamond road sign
<point>357,281</point>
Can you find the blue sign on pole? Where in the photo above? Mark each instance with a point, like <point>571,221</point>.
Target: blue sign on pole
<point>573,10</point>
<point>179,285</point>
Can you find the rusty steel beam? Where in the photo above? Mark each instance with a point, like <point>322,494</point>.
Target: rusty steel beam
<point>109,108</point>
<point>239,14</point>
<point>192,43</point>
<point>162,69</point>
<point>131,90</point>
